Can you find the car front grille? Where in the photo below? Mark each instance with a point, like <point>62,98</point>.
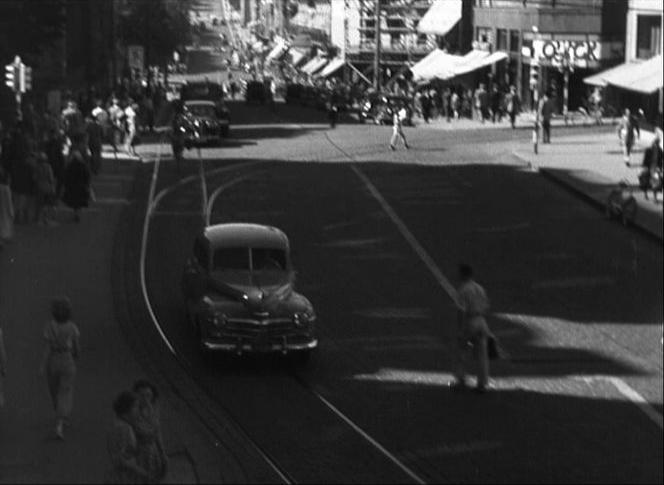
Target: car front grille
<point>266,328</point>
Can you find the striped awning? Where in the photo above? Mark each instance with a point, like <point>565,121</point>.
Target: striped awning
<point>643,77</point>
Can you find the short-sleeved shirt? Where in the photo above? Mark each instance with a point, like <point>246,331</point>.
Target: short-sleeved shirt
<point>472,299</point>
<point>61,336</point>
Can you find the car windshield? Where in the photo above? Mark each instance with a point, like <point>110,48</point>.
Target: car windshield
<point>203,110</point>
<point>231,259</point>
<point>237,259</point>
<point>268,259</point>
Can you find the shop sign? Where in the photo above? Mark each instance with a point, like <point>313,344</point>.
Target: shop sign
<point>582,53</point>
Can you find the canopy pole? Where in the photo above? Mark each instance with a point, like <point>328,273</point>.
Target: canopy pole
<point>377,35</point>
<point>359,73</point>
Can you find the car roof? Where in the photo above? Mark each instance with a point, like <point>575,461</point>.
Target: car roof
<point>240,234</point>
<point>199,102</point>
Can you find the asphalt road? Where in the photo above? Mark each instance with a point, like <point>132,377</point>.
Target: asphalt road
<point>376,237</point>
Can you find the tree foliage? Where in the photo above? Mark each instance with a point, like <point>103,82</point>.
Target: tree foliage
<point>159,25</point>
<point>27,27</point>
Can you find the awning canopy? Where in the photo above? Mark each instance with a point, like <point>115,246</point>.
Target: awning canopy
<point>441,17</point>
<point>314,65</point>
<point>278,51</point>
<point>434,61</point>
<point>332,67</point>
<point>297,56</point>
<point>646,77</point>
<point>479,63</point>
<point>602,78</point>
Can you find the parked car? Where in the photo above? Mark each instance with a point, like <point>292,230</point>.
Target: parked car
<point>206,121</point>
<point>256,92</point>
<point>293,93</point>
<point>239,292</point>
<point>202,90</point>
<point>379,107</point>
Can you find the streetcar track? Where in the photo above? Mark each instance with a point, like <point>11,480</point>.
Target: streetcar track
<point>186,365</point>
<point>283,475</point>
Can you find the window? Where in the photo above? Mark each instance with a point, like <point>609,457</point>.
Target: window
<point>648,32</point>
<point>266,259</point>
<point>482,34</point>
<point>501,39</point>
<point>514,41</point>
<point>231,259</point>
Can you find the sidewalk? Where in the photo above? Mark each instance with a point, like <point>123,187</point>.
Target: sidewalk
<point>76,260</point>
<point>523,121</point>
<point>591,164</point>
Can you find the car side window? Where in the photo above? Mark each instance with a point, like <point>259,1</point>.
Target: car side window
<point>201,253</point>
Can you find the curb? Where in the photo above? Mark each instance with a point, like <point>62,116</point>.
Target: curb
<point>573,189</point>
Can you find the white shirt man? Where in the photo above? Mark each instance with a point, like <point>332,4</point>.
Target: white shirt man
<point>472,304</point>
<point>397,130</point>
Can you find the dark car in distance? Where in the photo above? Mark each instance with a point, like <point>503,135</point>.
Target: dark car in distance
<point>205,122</point>
<point>239,292</point>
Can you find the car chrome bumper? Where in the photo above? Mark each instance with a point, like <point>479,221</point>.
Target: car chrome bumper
<point>240,346</point>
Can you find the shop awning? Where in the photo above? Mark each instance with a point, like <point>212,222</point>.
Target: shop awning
<point>479,63</point>
<point>314,65</point>
<point>332,67</point>
<point>297,56</point>
<point>436,61</point>
<point>278,51</point>
<point>644,77</point>
<point>441,17</point>
<point>602,78</point>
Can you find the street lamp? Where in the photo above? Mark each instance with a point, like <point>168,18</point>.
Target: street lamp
<point>534,85</point>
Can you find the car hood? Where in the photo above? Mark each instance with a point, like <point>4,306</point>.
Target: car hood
<point>258,291</point>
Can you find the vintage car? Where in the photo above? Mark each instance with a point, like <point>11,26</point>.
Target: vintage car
<point>207,121</point>
<point>239,292</point>
<point>256,92</point>
<point>378,108</point>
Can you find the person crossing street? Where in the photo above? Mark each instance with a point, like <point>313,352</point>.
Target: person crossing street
<point>398,115</point>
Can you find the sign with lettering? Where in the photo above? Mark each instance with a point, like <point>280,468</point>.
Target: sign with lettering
<point>577,53</point>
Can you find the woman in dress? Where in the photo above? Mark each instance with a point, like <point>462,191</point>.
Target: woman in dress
<point>77,178</point>
<point>122,444</point>
<point>59,363</point>
<point>151,454</point>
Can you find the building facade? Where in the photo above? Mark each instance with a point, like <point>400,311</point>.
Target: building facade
<point>580,36</point>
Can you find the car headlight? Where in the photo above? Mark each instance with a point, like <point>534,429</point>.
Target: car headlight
<point>218,319</point>
<point>302,319</point>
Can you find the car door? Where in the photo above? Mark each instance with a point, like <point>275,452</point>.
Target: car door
<point>195,278</point>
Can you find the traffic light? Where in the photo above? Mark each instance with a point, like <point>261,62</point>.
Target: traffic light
<point>11,76</point>
<point>26,78</point>
<point>534,74</point>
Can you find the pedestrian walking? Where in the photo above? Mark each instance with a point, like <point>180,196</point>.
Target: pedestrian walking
<point>472,304</point>
<point>77,179</point>
<point>455,102</point>
<point>628,132</point>
<point>650,177</point>
<point>59,363</point>
<point>398,115</point>
<point>151,453</point>
<point>46,185</point>
<point>496,104</point>
<point>130,127</point>
<point>72,120</point>
<point>122,444</point>
<point>95,135</point>
<point>53,148</point>
<point>512,105</point>
<point>3,368</point>
<point>116,117</point>
<point>546,113</point>
<point>426,107</point>
<point>21,179</point>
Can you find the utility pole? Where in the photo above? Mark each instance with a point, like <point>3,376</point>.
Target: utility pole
<point>377,39</point>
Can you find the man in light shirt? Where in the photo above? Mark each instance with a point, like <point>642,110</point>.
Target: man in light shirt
<point>472,304</point>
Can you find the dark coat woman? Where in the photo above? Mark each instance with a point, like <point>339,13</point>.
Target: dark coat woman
<point>77,182</point>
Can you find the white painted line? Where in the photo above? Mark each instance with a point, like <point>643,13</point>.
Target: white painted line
<point>417,247</point>
<point>167,190</point>
<point>637,399</point>
<point>146,227</point>
<point>204,194</point>
<point>375,443</point>
<point>144,243</point>
<point>219,190</point>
